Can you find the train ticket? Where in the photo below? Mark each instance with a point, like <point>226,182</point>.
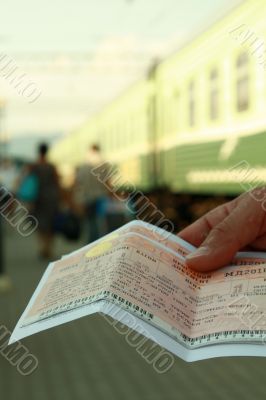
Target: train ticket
<point>139,272</point>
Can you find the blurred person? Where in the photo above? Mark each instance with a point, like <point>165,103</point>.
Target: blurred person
<point>27,185</point>
<point>5,282</point>
<point>90,192</point>
<point>115,212</point>
<point>226,229</point>
<point>46,204</point>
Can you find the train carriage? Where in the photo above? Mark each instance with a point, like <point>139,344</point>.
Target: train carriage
<point>197,122</point>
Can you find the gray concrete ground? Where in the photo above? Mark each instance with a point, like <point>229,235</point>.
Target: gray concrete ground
<point>88,360</point>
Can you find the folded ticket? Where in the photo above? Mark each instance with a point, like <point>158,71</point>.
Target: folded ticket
<point>138,276</point>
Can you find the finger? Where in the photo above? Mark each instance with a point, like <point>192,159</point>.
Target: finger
<point>197,232</point>
<point>241,227</point>
<point>259,243</point>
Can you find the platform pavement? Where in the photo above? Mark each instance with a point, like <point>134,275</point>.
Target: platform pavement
<point>88,360</point>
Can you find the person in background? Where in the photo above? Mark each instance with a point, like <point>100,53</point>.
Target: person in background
<point>89,192</point>
<point>115,212</point>
<point>233,226</point>
<point>46,205</point>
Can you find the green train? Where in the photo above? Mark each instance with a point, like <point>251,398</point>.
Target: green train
<point>197,122</point>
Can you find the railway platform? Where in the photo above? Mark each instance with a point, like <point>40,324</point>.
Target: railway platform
<point>87,359</point>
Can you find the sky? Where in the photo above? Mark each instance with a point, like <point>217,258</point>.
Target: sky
<point>83,53</point>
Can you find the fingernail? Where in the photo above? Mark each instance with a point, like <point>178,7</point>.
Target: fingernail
<point>201,251</point>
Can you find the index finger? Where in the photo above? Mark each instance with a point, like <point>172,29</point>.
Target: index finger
<point>197,232</point>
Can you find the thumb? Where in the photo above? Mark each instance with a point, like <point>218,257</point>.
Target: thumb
<point>241,227</point>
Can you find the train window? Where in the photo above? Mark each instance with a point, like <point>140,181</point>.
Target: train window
<point>118,135</point>
<point>113,145</point>
<point>110,136</point>
<point>105,140</point>
<point>139,124</point>
<point>166,115</point>
<point>124,132</point>
<point>214,94</point>
<point>191,103</point>
<point>242,83</point>
<point>134,128</point>
<point>129,134</point>
<point>175,115</point>
<point>116,140</point>
<point>161,120</point>
<point>145,123</point>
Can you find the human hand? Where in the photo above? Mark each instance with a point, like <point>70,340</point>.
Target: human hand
<point>226,229</point>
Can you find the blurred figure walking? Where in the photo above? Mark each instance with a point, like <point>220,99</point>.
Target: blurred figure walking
<point>46,205</point>
<point>5,282</point>
<point>90,192</point>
